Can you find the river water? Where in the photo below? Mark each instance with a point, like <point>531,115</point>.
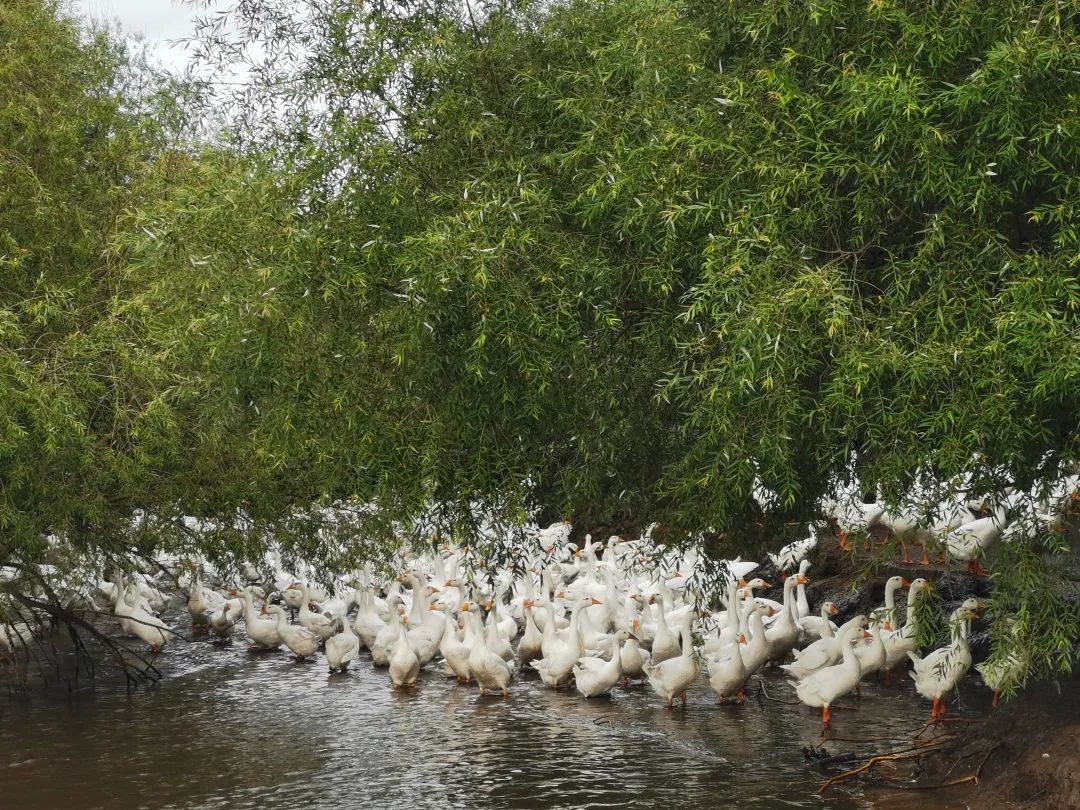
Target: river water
<point>228,728</point>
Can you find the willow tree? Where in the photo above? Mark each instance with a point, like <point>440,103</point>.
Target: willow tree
<point>86,432</point>
<point>623,261</point>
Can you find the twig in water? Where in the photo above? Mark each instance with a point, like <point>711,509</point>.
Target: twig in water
<point>974,777</point>
<point>912,753</point>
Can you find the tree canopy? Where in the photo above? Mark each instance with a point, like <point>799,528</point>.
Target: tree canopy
<point>629,259</point>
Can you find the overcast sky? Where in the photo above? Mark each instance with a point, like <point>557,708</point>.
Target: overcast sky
<point>158,21</point>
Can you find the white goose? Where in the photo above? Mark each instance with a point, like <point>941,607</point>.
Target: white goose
<point>593,675</point>
<point>528,648</point>
<point>367,623</point>
<point>887,612</point>
<point>970,541</point>
<point>823,687</point>
<point>673,677</point>
<point>632,660</point>
<point>387,637</point>
<point>665,643</point>
<point>319,624</point>
<point>560,655</point>
<point>938,673</point>
<point>802,604</point>
<point>823,653</point>
<point>403,663</point>
<point>300,640</point>
<point>507,625</point>
<point>491,671</point>
<point>815,627</point>
<point>784,632</point>
<point>756,651</point>
<point>494,639</point>
<point>899,643</point>
<point>729,617</point>
<point>136,621</point>
<point>425,630</point>
<point>224,619</point>
<point>794,554</point>
<point>1009,671</point>
<point>872,654</point>
<point>728,672</point>
<point>455,649</point>
<point>202,603</point>
<point>342,649</point>
<point>262,632</point>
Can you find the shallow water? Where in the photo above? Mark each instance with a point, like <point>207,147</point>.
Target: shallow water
<point>232,729</point>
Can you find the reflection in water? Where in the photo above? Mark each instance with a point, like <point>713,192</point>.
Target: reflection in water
<point>231,729</point>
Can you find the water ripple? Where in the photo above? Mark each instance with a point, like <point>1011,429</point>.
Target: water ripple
<point>239,730</point>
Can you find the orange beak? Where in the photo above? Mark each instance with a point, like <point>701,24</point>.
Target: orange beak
<point>766,585</point>
<point>742,583</point>
<point>596,601</point>
<point>801,580</point>
<point>772,612</point>
<point>742,638</point>
<point>833,610</point>
<point>904,583</point>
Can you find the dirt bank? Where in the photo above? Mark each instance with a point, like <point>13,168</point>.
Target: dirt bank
<point>1023,755</point>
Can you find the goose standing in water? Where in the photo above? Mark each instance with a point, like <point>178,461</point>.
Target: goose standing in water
<point>262,632</point>
<point>490,670</point>
<point>823,687</point>
<point>593,675</point>
<point>342,649</point>
<point>403,663</point>
<point>300,640</point>
<point>671,678</point>
<point>937,674</point>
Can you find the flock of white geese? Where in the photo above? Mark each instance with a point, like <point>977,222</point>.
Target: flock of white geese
<point>594,617</point>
